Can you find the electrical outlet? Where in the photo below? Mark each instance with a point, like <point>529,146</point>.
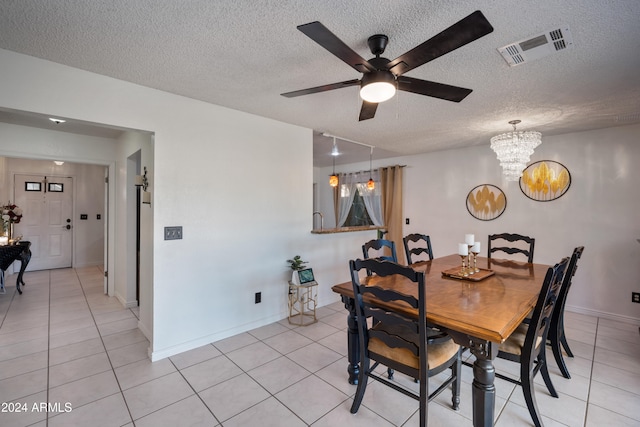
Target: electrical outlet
<point>406,221</point>
<point>258,297</point>
<point>173,233</point>
<point>635,297</point>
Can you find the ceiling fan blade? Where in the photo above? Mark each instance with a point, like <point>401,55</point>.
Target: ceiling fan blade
<point>436,90</point>
<point>462,32</point>
<point>368,110</point>
<point>323,88</point>
<point>325,38</point>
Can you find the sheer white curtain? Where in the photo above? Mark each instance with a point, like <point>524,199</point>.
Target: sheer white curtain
<point>348,187</point>
<point>352,182</point>
<point>372,199</point>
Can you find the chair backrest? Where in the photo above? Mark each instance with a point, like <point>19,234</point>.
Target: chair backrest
<point>380,244</point>
<point>526,248</point>
<point>392,320</point>
<point>542,313</point>
<point>566,282</point>
<point>418,249</point>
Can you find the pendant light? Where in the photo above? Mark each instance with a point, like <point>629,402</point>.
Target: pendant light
<point>371,185</point>
<point>333,179</point>
<point>514,149</point>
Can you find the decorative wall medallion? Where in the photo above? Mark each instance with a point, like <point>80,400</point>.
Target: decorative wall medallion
<point>545,180</point>
<point>486,202</point>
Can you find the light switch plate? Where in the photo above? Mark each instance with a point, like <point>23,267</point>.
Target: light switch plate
<point>173,233</point>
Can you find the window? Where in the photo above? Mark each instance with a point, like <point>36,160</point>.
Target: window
<point>358,215</point>
<point>55,187</point>
<point>32,186</point>
<point>357,205</point>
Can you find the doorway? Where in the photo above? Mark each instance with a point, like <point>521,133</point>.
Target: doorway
<point>47,203</point>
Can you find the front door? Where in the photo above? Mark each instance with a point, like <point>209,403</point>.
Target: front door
<point>47,205</point>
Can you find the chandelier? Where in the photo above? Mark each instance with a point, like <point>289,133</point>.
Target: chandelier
<point>514,150</point>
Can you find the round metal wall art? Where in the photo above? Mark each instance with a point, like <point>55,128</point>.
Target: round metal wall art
<point>486,202</point>
<point>545,180</point>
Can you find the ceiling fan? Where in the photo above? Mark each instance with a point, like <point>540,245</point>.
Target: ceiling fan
<point>382,77</point>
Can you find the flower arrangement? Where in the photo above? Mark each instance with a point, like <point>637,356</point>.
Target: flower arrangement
<point>11,214</point>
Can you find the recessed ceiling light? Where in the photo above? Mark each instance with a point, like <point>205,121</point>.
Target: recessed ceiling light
<point>58,162</point>
<point>56,121</point>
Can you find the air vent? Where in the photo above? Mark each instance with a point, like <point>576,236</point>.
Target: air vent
<point>536,47</point>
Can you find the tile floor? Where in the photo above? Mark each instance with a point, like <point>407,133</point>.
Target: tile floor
<point>66,343</point>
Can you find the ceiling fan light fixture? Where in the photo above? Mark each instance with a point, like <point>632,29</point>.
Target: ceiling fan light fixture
<point>378,86</point>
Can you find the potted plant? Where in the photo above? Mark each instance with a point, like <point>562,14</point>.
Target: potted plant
<point>296,264</point>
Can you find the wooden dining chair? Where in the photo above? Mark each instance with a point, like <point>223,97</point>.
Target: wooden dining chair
<point>557,336</point>
<point>526,345</point>
<point>417,244</point>
<point>520,244</point>
<point>386,250</point>
<point>399,339</point>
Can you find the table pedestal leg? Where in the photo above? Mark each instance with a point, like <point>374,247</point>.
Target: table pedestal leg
<point>353,345</point>
<point>484,390</point>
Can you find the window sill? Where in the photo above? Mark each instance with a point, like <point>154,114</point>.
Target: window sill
<point>347,229</point>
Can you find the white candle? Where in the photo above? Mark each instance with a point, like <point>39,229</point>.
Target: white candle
<point>476,248</point>
<point>469,239</point>
<point>463,249</point>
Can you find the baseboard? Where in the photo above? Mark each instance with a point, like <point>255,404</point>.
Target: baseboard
<point>603,314</point>
<point>190,345</point>
<point>125,303</point>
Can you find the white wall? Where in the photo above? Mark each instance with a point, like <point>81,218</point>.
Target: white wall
<point>599,211</point>
<point>240,185</point>
<point>88,182</point>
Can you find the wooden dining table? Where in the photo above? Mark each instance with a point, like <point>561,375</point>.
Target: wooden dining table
<point>477,314</point>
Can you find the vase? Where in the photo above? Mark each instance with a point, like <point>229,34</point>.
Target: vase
<point>9,232</point>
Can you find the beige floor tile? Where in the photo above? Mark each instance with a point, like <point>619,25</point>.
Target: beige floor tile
<point>617,360</point>
<point>75,351</point>
<point>26,416</point>
<point>314,357</point>
<point>268,413</point>
<point>598,417</point>
<point>565,409</point>
<point>143,371</point>
<point>210,372</point>
<point>187,412</point>
<point>287,342</point>
<point>14,388</point>
<point>336,375</point>
<point>78,369</point>
<point>22,365</point>
<point>22,349</point>
<point>311,398</point>
<point>110,411</point>
<point>197,355</point>
<point>233,396</point>
<point>268,331</point>
<point>278,374</point>
<point>629,381</point>
<point>122,339</point>
<point>336,342</point>
<point>235,342</point>
<point>129,354</point>
<point>156,394</point>
<point>615,399</point>
<point>253,355</point>
<point>317,331</point>
<point>85,390</point>
<point>516,415</point>
<point>341,416</point>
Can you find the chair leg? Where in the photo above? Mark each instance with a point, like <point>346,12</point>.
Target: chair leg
<point>362,386</point>
<point>554,338</point>
<point>455,387</point>
<point>529,395</point>
<point>424,399</point>
<point>563,338</point>
<point>542,360</point>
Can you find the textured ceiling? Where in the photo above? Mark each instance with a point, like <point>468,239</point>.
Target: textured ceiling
<point>243,54</point>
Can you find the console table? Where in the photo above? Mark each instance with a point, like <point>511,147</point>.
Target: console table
<point>8,254</point>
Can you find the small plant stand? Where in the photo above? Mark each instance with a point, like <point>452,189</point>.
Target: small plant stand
<point>302,304</point>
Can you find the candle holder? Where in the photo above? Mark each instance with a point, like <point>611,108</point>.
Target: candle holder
<point>463,270</point>
<point>475,268</point>
<point>469,268</point>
